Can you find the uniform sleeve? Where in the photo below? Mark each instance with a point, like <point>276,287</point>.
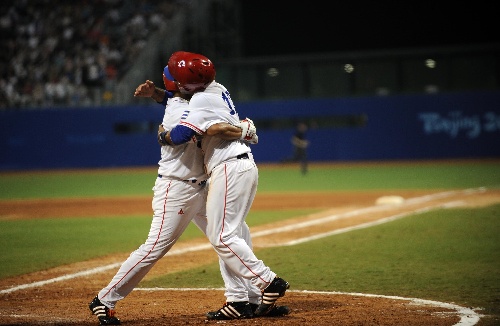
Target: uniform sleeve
<point>181,134</point>
<point>202,113</point>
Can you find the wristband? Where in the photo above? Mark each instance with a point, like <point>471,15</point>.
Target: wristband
<point>161,138</point>
<point>166,97</point>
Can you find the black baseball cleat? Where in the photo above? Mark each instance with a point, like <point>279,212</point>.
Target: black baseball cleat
<point>275,290</point>
<point>276,311</point>
<point>105,315</point>
<point>232,310</point>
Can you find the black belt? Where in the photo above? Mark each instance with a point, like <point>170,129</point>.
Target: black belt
<point>242,156</point>
<point>188,181</point>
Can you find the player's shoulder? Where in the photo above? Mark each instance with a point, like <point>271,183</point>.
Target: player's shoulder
<point>208,95</point>
<point>214,88</point>
<point>177,101</point>
<point>218,85</point>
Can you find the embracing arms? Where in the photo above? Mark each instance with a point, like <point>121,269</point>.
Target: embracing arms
<point>245,130</point>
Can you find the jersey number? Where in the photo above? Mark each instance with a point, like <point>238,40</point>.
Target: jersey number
<point>227,98</point>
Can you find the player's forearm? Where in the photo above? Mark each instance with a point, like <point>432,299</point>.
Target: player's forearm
<point>178,135</point>
<point>158,95</point>
<point>225,131</point>
<point>181,134</point>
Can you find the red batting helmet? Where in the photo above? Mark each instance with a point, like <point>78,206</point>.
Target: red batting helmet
<point>193,72</point>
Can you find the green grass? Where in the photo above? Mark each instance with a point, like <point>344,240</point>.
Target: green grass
<point>45,243</point>
<point>122,182</point>
<point>62,241</point>
<point>392,176</point>
<point>91,183</point>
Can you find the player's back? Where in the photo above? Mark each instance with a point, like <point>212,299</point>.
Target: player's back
<point>209,107</point>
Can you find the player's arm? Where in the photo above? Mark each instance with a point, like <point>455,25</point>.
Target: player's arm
<point>178,135</point>
<point>245,131</point>
<point>225,131</point>
<point>181,134</point>
<point>148,89</point>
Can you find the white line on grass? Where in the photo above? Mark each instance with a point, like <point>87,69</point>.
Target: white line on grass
<point>366,225</point>
<point>371,209</point>
<point>61,278</point>
<point>470,319</point>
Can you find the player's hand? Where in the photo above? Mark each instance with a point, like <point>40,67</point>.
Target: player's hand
<point>248,131</point>
<point>249,120</point>
<point>145,90</point>
<point>254,140</point>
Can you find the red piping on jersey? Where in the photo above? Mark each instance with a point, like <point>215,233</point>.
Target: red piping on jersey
<point>222,230</point>
<point>193,127</point>
<point>156,242</point>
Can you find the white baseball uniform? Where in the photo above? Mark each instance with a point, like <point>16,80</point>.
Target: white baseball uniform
<point>233,185</point>
<point>179,197</point>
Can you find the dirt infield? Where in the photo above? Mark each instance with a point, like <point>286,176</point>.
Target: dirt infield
<point>64,301</point>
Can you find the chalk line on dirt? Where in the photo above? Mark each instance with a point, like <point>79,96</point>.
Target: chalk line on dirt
<point>467,316</point>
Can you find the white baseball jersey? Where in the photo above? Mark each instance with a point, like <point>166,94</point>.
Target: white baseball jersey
<point>232,187</point>
<point>207,108</point>
<point>185,161</point>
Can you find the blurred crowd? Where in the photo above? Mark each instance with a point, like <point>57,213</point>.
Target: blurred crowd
<point>71,53</point>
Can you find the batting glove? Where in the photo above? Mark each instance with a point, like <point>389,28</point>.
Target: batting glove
<point>248,131</point>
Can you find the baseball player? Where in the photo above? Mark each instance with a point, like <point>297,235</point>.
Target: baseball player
<point>233,177</point>
<point>236,289</point>
<point>179,197</point>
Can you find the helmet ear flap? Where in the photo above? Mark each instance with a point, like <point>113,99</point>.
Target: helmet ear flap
<point>167,73</point>
<point>168,80</point>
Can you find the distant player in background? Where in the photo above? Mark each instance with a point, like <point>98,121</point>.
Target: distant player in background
<point>300,144</point>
